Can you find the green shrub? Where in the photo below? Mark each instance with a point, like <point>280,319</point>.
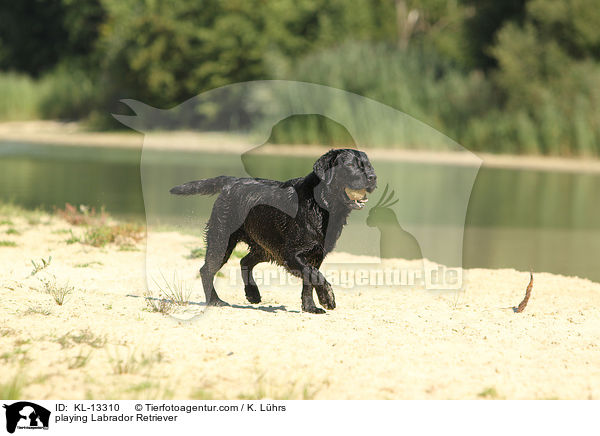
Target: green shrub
<point>19,97</point>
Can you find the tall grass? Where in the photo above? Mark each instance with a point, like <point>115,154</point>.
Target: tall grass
<point>416,82</point>
<point>64,93</point>
<point>476,110</point>
<point>19,97</point>
<point>67,93</point>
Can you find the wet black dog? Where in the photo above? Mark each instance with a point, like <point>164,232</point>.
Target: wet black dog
<point>294,224</point>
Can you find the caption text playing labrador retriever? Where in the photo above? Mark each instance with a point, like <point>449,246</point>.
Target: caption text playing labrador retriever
<point>294,223</point>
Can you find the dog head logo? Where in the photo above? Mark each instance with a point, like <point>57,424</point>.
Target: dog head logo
<point>429,197</point>
<point>26,415</point>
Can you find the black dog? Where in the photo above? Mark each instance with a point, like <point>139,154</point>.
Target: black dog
<point>294,224</point>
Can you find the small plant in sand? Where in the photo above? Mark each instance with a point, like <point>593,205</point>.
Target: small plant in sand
<point>291,391</point>
<point>130,363</point>
<point>37,267</point>
<point>124,234</point>
<point>201,393</point>
<point>87,264</point>
<point>82,215</point>
<point>7,331</point>
<point>8,244</point>
<point>13,388</point>
<point>456,299</point>
<point>9,209</point>
<point>12,231</point>
<point>175,290</point>
<point>148,390</point>
<point>57,291</point>
<point>128,247</point>
<point>21,342</point>
<point>38,310</point>
<point>72,239</point>
<point>127,364</point>
<point>99,232</point>
<point>17,355</point>
<point>157,304</point>
<point>80,360</point>
<point>86,336</point>
<point>489,393</point>
<point>150,358</point>
<point>34,220</point>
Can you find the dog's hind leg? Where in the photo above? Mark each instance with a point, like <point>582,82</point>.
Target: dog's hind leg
<point>252,259</point>
<point>216,257</point>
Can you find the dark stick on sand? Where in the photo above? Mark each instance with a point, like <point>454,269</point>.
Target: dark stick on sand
<point>523,303</point>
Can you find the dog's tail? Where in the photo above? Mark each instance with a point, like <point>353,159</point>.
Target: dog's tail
<point>203,187</point>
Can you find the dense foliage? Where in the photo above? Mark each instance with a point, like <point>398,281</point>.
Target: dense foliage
<point>514,76</point>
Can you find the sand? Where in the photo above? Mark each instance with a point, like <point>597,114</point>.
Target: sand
<point>381,342</point>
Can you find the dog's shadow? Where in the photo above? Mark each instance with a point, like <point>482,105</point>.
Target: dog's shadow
<point>270,308</point>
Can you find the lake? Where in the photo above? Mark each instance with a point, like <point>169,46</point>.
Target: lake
<point>544,220</point>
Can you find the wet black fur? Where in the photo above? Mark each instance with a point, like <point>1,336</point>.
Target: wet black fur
<point>294,223</point>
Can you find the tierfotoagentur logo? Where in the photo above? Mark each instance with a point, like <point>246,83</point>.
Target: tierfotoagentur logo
<point>409,234</point>
<point>350,276</point>
<point>25,415</point>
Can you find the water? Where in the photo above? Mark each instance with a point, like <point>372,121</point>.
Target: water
<point>41,176</point>
<point>519,219</point>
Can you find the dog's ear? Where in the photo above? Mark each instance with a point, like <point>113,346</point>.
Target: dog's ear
<point>325,163</point>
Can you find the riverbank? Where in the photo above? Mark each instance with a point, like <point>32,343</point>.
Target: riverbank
<point>106,341</point>
<point>58,133</point>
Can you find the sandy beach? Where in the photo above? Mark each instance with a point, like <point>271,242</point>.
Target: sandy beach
<point>382,342</point>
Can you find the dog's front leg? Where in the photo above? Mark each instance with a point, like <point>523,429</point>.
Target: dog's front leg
<point>311,277</point>
<point>325,294</point>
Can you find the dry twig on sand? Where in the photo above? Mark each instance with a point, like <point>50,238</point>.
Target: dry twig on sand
<point>521,307</point>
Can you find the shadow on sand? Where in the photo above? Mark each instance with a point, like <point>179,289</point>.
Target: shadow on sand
<point>270,309</point>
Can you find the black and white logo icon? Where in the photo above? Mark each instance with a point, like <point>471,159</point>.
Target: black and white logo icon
<point>26,415</point>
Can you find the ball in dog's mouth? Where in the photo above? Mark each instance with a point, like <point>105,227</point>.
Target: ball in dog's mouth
<point>357,196</point>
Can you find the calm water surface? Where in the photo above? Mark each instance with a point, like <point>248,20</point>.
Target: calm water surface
<point>545,220</point>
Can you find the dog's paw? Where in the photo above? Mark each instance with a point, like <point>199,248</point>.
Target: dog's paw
<point>330,305</point>
<point>326,297</point>
<point>312,309</point>
<point>217,302</point>
<point>252,294</point>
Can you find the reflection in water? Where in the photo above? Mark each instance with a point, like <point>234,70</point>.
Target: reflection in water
<point>516,218</point>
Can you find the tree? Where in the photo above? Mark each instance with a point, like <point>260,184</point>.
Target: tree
<point>35,35</point>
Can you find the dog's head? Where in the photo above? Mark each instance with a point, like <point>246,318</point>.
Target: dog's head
<point>347,176</point>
